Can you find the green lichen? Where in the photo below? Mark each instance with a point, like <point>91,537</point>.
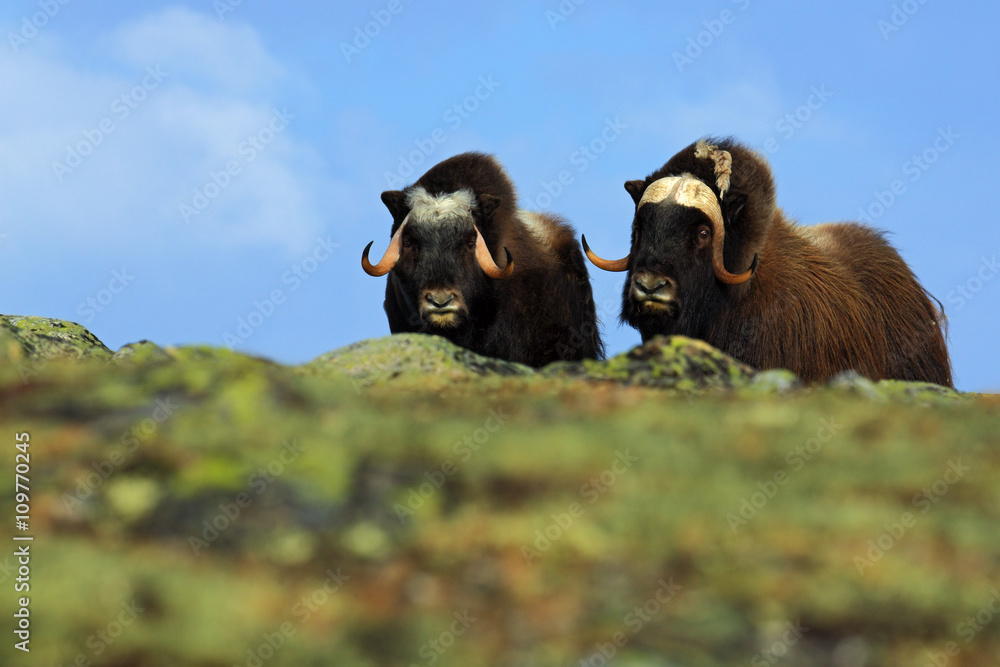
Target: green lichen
<point>396,482</point>
<point>41,339</point>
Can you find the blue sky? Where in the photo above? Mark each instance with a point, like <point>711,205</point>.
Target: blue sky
<point>168,170</point>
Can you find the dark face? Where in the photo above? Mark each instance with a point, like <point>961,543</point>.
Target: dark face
<point>440,278</point>
<point>670,287</point>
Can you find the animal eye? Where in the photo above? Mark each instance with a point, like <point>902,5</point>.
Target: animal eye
<point>471,245</point>
<point>407,243</point>
<point>704,234</point>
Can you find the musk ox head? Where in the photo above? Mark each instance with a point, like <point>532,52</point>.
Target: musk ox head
<point>440,262</point>
<point>699,222</point>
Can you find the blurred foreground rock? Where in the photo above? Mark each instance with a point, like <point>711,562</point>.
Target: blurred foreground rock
<point>402,501</point>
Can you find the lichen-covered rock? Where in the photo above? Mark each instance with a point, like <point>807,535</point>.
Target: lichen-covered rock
<point>674,362</point>
<point>143,352</point>
<point>667,363</point>
<point>256,514</point>
<point>411,357</point>
<point>41,338</point>
<point>777,380</point>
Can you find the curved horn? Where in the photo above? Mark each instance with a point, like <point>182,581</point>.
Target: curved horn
<point>390,257</point>
<point>690,191</point>
<point>718,267</point>
<point>486,263</point>
<point>606,264</point>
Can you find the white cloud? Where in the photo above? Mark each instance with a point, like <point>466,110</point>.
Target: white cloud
<point>93,159</point>
<point>225,55</point>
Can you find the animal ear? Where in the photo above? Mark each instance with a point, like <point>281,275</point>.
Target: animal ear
<point>732,206</point>
<point>488,205</point>
<point>395,201</point>
<point>635,188</point>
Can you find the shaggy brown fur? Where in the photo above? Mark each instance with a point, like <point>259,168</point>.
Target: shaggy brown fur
<point>543,312</point>
<point>823,299</point>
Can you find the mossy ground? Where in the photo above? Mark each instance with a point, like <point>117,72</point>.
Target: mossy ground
<point>548,512</point>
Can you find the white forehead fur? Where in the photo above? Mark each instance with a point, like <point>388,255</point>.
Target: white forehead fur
<point>685,190</point>
<point>448,207</point>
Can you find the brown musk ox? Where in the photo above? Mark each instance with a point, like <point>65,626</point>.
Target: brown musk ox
<point>464,262</point>
<point>713,257</point>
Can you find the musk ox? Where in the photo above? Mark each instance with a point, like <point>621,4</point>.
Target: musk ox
<point>713,257</point>
<point>466,264</point>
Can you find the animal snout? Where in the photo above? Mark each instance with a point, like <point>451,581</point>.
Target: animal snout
<point>439,299</point>
<point>651,285</point>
